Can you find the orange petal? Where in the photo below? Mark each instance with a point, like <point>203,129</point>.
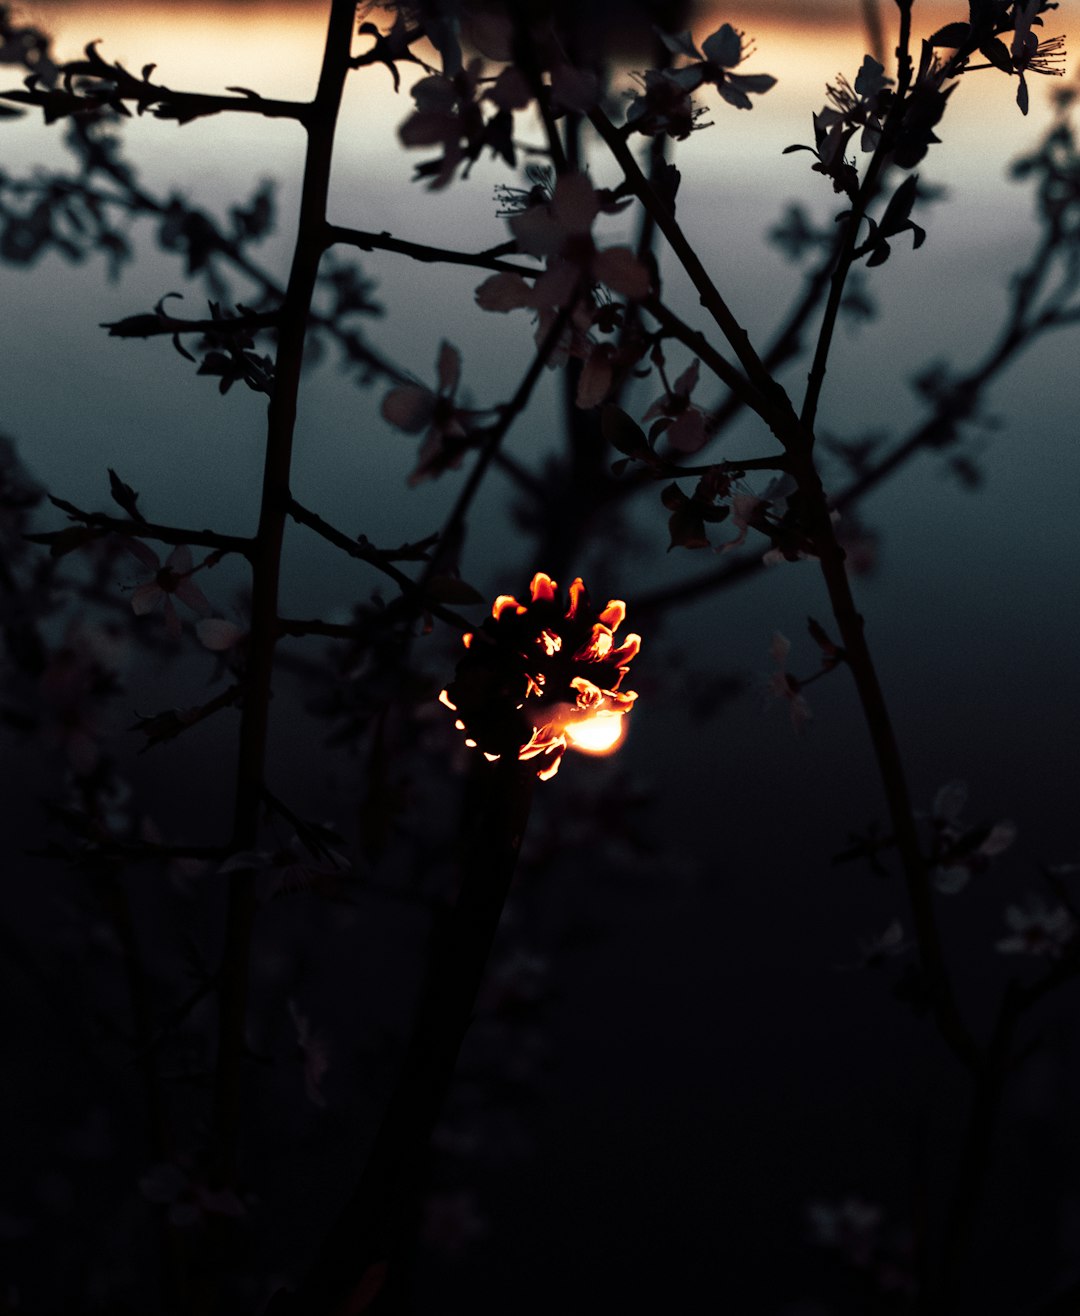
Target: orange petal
<point>542,587</point>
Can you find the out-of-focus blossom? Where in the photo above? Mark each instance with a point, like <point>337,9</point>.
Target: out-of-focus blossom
<point>782,685</point>
<point>170,580</point>
<point>876,950</point>
<point>1037,929</point>
<point>452,1221</point>
<point>412,408</point>
<point>312,1048</point>
<point>685,425</point>
<point>188,1200</point>
<point>79,677</point>
<point>292,867</point>
<point>449,113</point>
<point>663,106</point>
<point>959,851</point>
<point>851,1227</point>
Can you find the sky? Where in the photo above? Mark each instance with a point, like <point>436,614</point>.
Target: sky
<point>972,611</point>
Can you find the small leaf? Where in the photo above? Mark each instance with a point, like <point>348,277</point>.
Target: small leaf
<point>997,52</point>
<point>673,498</point>
<point>622,432</point>
<point>952,35</point>
<point>65,506</point>
<point>124,495</point>
<point>133,326</point>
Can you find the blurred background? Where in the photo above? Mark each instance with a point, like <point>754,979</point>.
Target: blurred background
<point>700,1063</point>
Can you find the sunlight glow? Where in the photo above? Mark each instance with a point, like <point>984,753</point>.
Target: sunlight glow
<point>600,734</point>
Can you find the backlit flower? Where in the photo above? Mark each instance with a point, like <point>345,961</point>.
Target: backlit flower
<point>1030,55</point>
<point>538,678</point>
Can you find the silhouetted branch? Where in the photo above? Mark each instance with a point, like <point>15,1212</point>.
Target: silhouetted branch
<point>421,251</point>
<point>365,552</point>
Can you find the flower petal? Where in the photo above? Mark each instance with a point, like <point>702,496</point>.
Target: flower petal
<point>409,407</point>
<point>449,367</point>
<point>621,270</point>
<point>503,292</point>
<point>574,205</point>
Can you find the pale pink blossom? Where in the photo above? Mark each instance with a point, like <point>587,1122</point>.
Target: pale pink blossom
<point>173,579</point>
<point>782,685</point>
<point>958,850</point>
<point>1037,930</point>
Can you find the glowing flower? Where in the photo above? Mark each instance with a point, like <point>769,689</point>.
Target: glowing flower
<point>538,678</point>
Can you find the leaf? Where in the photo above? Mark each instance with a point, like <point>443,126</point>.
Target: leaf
<point>623,433</point>
<point>897,212</point>
<point>62,542</point>
<point>673,498</point>
<point>124,495</point>
<point>133,326</point>
<point>997,52</point>
<point>952,35</point>
<point>65,506</point>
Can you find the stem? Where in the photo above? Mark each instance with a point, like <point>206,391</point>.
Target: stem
<point>867,191</point>
<point>374,1227</point>
<point>890,766</point>
<point>266,564</point>
<point>421,251</point>
<point>450,536</point>
<point>975,1154</point>
<point>779,415</point>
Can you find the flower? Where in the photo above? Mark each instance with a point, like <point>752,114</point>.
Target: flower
<point>782,685</point>
<point>685,426</point>
<point>959,851</point>
<point>852,1227</point>
<point>560,232</point>
<point>188,1198</point>
<point>1037,930</point>
<point>312,1048</point>
<point>452,1221</point>
<point>411,407</point>
<point>537,679</point>
<point>663,106</point>
<point>1029,54</point>
<point>449,114</point>
<point>721,52</point>
<point>174,578</point>
<point>875,950</point>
